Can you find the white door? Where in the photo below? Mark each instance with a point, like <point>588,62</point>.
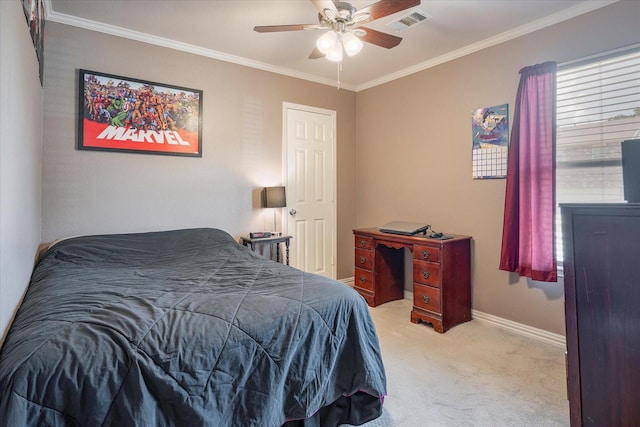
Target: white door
<point>310,180</point>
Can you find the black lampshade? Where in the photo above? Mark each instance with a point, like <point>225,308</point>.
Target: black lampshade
<point>274,197</point>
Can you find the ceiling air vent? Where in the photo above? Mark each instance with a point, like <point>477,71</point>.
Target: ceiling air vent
<point>409,20</point>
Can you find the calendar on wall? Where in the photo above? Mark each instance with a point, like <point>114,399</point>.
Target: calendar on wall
<point>490,149</point>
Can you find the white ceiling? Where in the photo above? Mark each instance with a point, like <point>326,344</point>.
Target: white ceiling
<point>223,29</point>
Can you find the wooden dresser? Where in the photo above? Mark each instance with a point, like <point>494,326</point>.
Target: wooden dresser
<point>441,274</point>
<point>602,311</point>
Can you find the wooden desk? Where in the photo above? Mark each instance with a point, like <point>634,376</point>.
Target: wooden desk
<point>274,240</point>
<point>441,274</point>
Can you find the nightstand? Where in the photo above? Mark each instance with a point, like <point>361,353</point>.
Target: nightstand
<point>274,240</point>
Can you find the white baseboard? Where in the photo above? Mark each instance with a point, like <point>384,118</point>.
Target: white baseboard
<point>519,328</point>
<point>348,281</point>
<point>522,329</point>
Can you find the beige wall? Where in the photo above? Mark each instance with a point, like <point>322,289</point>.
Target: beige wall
<point>96,192</point>
<point>20,158</point>
<point>413,152</point>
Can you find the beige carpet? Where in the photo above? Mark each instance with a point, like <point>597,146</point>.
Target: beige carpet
<point>475,374</point>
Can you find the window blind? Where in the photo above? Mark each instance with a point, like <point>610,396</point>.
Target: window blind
<point>597,107</point>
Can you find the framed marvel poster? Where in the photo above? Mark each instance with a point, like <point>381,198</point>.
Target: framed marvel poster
<point>123,114</point>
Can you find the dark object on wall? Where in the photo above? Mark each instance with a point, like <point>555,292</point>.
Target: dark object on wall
<point>631,170</point>
<point>601,244</point>
<point>130,115</point>
<point>34,12</point>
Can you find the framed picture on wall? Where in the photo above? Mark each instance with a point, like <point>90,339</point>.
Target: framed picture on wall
<point>123,114</point>
<point>34,12</point>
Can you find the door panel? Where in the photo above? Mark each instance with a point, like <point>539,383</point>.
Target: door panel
<point>310,180</point>
<point>321,246</point>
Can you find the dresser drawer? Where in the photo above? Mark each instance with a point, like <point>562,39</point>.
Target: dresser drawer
<point>426,272</point>
<point>362,242</point>
<point>426,253</point>
<point>364,259</point>
<point>426,297</point>
<point>363,279</point>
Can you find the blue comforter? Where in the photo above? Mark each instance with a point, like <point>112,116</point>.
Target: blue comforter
<point>185,328</point>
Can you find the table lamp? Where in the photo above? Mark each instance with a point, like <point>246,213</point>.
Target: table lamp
<point>274,197</point>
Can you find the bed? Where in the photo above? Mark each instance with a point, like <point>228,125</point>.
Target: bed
<point>186,328</point>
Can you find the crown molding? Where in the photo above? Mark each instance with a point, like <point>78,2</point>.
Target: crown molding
<point>572,12</point>
<point>113,30</point>
<point>580,9</point>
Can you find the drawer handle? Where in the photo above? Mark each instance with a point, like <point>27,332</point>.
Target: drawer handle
<point>363,243</point>
<point>362,260</point>
<point>425,299</point>
<point>425,274</point>
<point>363,279</point>
<point>425,255</point>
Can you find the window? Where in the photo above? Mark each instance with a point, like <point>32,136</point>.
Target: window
<point>597,107</point>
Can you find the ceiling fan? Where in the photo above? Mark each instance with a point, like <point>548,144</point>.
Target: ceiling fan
<point>344,24</point>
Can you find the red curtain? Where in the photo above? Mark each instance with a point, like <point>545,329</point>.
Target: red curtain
<point>528,246</point>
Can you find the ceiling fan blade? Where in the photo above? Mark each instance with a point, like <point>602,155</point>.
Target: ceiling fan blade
<point>316,54</point>
<point>386,7</point>
<point>293,27</point>
<point>379,38</point>
<point>321,5</point>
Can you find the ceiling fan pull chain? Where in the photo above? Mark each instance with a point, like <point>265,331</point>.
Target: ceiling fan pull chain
<point>339,69</point>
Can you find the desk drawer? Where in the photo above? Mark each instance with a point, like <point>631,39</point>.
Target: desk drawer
<point>426,297</point>
<point>426,253</point>
<point>363,279</point>
<point>427,273</point>
<point>362,242</point>
<point>364,259</point>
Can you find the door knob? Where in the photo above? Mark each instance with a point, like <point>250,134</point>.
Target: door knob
<point>292,212</point>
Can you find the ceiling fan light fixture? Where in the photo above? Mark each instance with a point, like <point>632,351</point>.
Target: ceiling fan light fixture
<point>340,17</point>
<point>335,54</point>
<point>352,44</point>
<point>328,42</point>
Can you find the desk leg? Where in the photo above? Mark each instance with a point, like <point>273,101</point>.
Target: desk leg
<point>278,252</point>
<point>286,244</point>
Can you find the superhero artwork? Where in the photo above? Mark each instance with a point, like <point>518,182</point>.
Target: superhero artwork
<point>125,114</point>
